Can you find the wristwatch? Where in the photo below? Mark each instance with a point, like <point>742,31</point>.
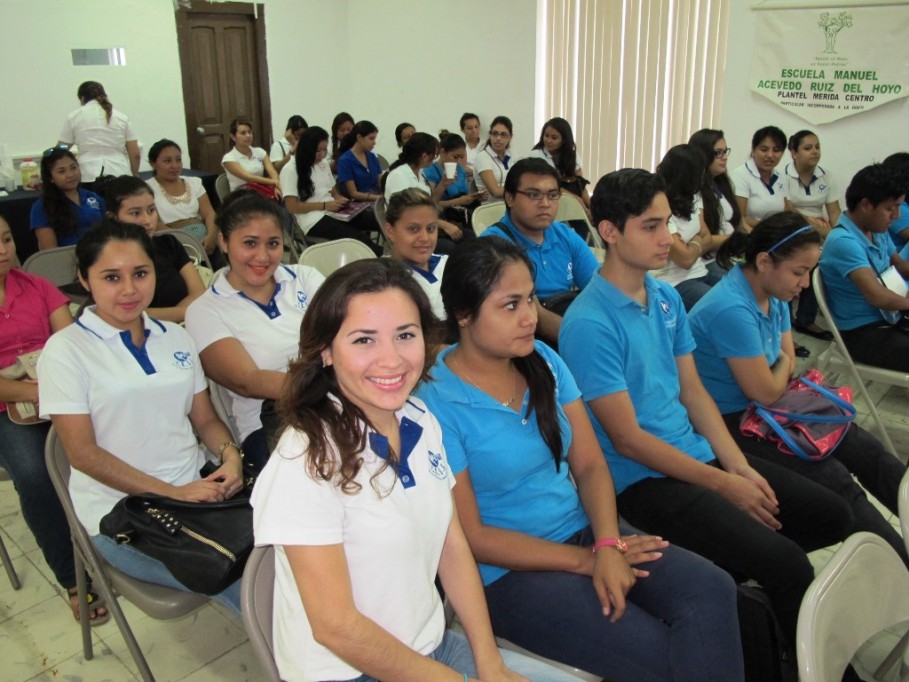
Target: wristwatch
<point>618,543</point>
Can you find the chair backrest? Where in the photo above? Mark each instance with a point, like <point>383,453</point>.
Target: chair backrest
<point>329,256</point>
<point>903,506</point>
<point>378,210</point>
<point>571,207</point>
<point>193,246</point>
<point>222,186</point>
<point>220,401</point>
<point>487,215</point>
<point>383,162</point>
<point>863,589</point>
<point>256,602</point>
<point>58,265</point>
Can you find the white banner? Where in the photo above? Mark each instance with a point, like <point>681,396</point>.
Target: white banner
<point>825,64</point>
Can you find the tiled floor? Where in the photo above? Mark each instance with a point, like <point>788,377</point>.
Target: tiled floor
<point>40,641</point>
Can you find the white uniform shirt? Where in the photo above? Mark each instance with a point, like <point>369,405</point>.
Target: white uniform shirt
<point>813,199</point>
<point>171,209</point>
<point>547,157</point>
<point>392,543</point>
<point>472,153</point>
<point>431,282</point>
<point>102,144</point>
<point>138,399</point>
<point>252,164</point>
<point>762,200</point>
<point>322,183</point>
<point>726,226</point>
<point>270,334</point>
<point>279,150</point>
<point>403,177</point>
<point>487,160</point>
<point>686,229</point>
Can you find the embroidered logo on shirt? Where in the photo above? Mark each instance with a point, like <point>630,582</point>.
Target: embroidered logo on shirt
<point>92,202</point>
<point>668,313</point>
<point>302,299</point>
<point>664,306</point>
<point>437,466</point>
<point>569,275</point>
<point>182,360</point>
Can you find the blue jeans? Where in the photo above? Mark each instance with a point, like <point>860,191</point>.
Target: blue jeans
<point>692,290</point>
<point>22,455</point>
<point>454,651</point>
<point>140,566</point>
<point>860,454</point>
<point>681,622</point>
<point>707,523</point>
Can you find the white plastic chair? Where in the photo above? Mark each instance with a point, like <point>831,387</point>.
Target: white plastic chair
<point>58,264</point>
<point>575,672</point>
<point>193,246</point>
<point>863,589</point>
<point>257,603</point>
<point>487,215</point>
<point>329,256</point>
<point>571,207</point>
<point>837,356</point>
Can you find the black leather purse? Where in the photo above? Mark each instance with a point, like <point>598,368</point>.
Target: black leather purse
<point>205,545</point>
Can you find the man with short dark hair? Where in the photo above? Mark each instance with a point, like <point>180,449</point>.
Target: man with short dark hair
<point>563,263</point>
<point>857,252</point>
<point>677,471</point>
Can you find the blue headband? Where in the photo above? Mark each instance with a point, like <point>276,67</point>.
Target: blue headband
<point>788,237</point>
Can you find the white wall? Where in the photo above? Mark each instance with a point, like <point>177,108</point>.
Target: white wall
<point>389,61</point>
<point>847,145</point>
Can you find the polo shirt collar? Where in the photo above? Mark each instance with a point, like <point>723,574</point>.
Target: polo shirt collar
<point>410,431</point>
<point>222,287</point>
<point>90,322</point>
<point>737,279</point>
<point>618,298</point>
<point>427,274</point>
<point>853,229</point>
<point>523,241</point>
<point>749,164</point>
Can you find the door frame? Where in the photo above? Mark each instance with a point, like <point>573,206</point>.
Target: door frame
<point>257,12</point>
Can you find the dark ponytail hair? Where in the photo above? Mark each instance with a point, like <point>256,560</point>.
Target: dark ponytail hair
<point>414,148</point>
<point>473,271</point>
<point>773,235</point>
<point>93,90</point>
<point>56,205</point>
<point>305,158</point>
<point>682,169</point>
<point>360,129</point>
<point>714,187</point>
<point>448,142</point>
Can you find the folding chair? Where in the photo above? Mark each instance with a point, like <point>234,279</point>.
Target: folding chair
<point>58,265</point>
<point>837,356</point>
<point>383,163</point>
<point>863,589</point>
<point>256,602</point>
<point>486,215</point>
<point>571,207</point>
<point>329,256</point>
<point>193,246</point>
<point>222,187</point>
<point>4,555</point>
<point>161,603</point>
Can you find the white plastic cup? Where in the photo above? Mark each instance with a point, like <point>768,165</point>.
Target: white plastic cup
<point>451,170</point>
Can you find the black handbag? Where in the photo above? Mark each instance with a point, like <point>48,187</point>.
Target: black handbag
<point>205,545</point>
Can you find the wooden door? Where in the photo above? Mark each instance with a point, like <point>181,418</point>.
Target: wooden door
<point>225,75</point>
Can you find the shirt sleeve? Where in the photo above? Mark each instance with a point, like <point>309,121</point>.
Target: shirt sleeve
<point>446,414</point>
<point>584,263</point>
<point>37,217</point>
<point>196,188</point>
<point>740,182</point>
<point>63,385</point>
<point>67,136</point>
<point>395,182</point>
<point>432,174</point>
<point>130,133</point>
<point>736,333</point>
<point>277,152</point>
<point>846,256</point>
<point>204,323</point>
<point>289,506</point>
<point>288,179</point>
<point>345,170</point>
<point>50,294</point>
<point>567,390</point>
<point>597,374</point>
<point>176,252</point>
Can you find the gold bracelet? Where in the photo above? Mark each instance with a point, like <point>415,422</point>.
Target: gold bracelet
<point>697,244</point>
<point>224,446</point>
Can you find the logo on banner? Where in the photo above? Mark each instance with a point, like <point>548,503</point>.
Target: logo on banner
<point>832,26</point>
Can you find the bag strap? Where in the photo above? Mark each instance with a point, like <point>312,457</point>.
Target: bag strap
<point>848,408</point>
<point>789,441</point>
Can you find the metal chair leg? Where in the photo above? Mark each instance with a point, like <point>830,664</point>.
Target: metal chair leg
<point>8,565</point>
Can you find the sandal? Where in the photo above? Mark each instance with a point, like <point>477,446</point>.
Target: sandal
<point>95,604</point>
<point>815,331</point>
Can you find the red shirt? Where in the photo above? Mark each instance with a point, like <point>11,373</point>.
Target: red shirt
<point>25,318</point>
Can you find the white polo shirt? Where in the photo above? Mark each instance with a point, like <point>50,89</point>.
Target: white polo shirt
<point>402,178</point>
<point>431,282</point>
<point>810,200</point>
<point>487,160</point>
<point>170,208</point>
<point>392,542</point>
<point>270,334</point>
<point>763,200</point>
<point>686,229</point>
<point>139,400</point>
<point>253,164</point>
<point>102,144</point>
<point>322,183</point>
<point>544,154</point>
<point>279,149</point>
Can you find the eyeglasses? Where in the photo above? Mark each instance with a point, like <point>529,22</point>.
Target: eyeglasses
<point>499,133</point>
<point>537,195</point>
<point>722,153</point>
<point>59,147</point>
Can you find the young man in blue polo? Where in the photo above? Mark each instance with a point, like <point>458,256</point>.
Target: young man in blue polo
<point>562,260</point>
<point>678,473</point>
<point>857,251</point>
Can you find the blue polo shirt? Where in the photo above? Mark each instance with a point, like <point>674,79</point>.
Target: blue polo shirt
<point>846,250</point>
<point>458,188</point>
<point>365,179</point>
<point>899,225</point>
<point>728,323</point>
<point>511,468</point>
<point>89,211</point>
<point>611,343</point>
<point>562,262</point>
